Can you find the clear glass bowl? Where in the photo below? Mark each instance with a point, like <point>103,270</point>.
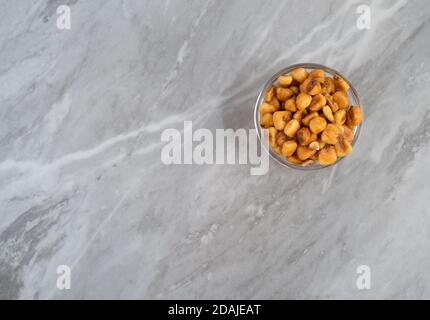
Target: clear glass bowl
<point>353,98</point>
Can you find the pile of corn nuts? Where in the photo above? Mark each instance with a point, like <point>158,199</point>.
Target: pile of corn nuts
<point>309,117</point>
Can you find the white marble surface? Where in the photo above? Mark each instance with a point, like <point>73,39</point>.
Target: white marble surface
<point>82,184</point>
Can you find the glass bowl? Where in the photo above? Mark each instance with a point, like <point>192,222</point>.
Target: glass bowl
<point>353,98</point>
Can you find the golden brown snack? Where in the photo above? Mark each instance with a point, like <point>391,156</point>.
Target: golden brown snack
<point>328,113</point>
<point>342,147</point>
<point>269,94</point>
<point>330,134</point>
<point>304,153</point>
<point>299,74</point>
<point>309,117</point>
<point>283,94</point>
<point>290,105</point>
<point>285,80</point>
<point>340,83</point>
<point>304,136</point>
<point>333,105</point>
<point>327,156</point>
<point>317,124</point>
<point>318,101</point>
<point>289,147</point>
<point>267,108</point>
<point>280,119</point>
<point>311,86</point>
<point>266,120</point>
<point>340,117</point>
<point>303,100</point>
<point>341,98</point>
<point>328,87</point>
<point>354,116</point>
<point>272,137</point>
<point>318,74</point>
<point>291,128</point>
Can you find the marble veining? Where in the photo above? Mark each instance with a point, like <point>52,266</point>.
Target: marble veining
<point>82,183</point>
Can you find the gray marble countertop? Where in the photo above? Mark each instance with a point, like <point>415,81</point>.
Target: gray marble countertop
<point>82,183</point>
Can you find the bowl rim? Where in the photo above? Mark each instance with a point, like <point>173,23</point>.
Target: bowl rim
<point>307,65</point>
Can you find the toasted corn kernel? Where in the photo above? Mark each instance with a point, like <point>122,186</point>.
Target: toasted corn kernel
<point>317,124</point>
<point>291,128</point>
<point>327,156</point>
<point>340,83</point>
<point>341,98</point>
<point>309,117</point>
<point>333,105</point>
<point>295,89</point>
<point>328,113</point>
<point>314,145</point>
<point>269,94</point>
<point>318,74</point>
<point>304,136</point>
<point>303,100</point>
<point>310,86</point>
<point>342,147</point>
<point>289,147</point>
<point>276,103</point>
<point>290,105</point>
<point>330,134</point>
<point>267,108</point>
<point>272,137</point>
<point>283,94</point>
<point>285,80</point>
<point>281,138</point>
<point>299,74</point>
<point>280,119</point>
<point>304,153</point>
<point>340,117</point>
<point>299,115</point>
<point>293,159</point>
<point>354,116</point>
<point>266,120</point>
<point>348,134</point>
<point>328,87</point>
<point>318,101</point>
